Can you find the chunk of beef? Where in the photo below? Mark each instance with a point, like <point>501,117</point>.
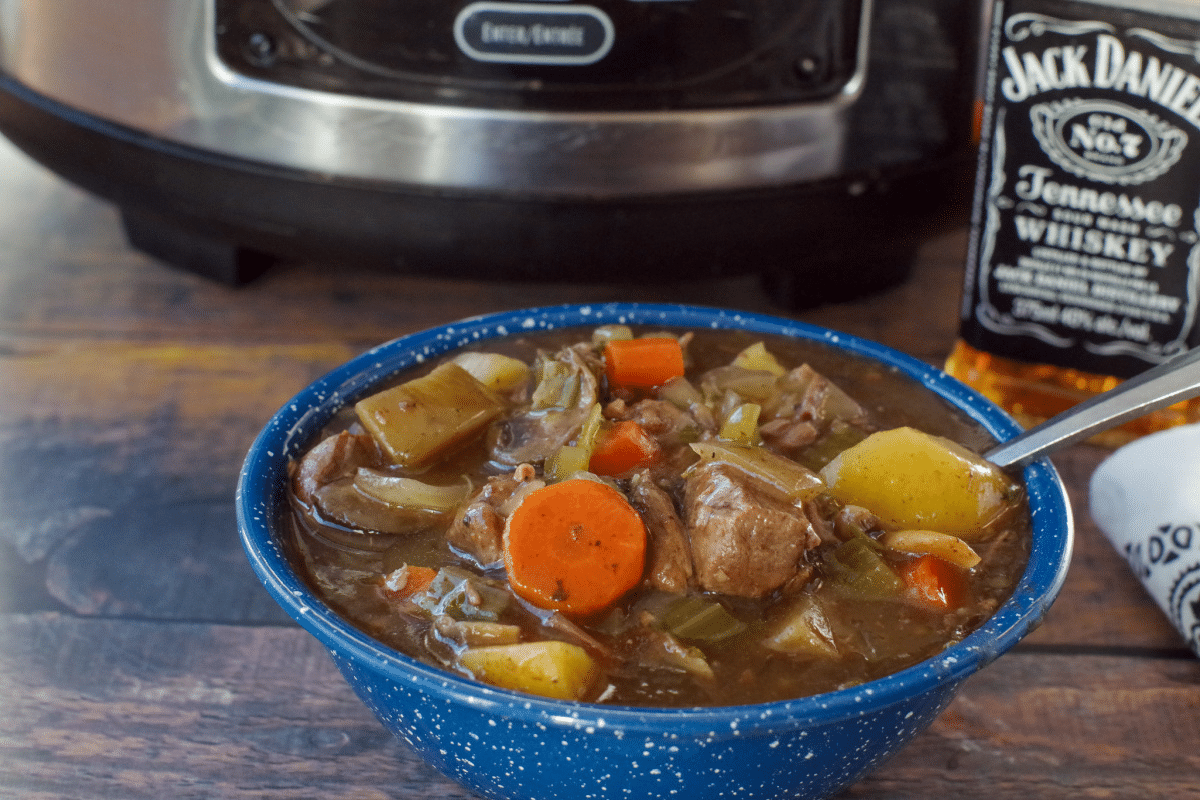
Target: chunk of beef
<point>323,483</point>
<point>335,458</point>
<point>822,522</point>
<point>805,407</point>
<point>852,519</point>
<point>478,527</point>
<point>668,556</point>
<point>789,433</point>
<point>746,540</point>
<point>657,649</point>
<point>665,421</point>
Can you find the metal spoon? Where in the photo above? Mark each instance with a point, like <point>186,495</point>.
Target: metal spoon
<point>1167,383</point>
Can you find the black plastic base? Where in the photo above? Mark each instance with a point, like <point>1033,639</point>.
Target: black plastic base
<point>219,259</point>
<point>228,219</point>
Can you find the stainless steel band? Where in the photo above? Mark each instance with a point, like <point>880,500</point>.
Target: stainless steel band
<point>151,65</point>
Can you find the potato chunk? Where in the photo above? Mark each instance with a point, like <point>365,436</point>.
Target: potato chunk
<point>498,373</point>
<point>421,419</point>
<point>804,630</point>
<point>550,669</point>
<point>911,479</point>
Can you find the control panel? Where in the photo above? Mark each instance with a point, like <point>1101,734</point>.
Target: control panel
<point>603,55</point>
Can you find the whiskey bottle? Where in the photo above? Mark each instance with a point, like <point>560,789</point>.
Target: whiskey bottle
<point>1083,265</point>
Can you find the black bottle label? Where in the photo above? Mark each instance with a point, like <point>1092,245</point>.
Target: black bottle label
<point>1084,249</point>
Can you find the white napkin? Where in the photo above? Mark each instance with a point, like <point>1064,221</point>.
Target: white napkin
<point>1146,499</point>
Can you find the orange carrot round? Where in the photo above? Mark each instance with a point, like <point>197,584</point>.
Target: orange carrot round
<point>643,363</point>
<point>415,579</point>
<point>935,582</point>
<point>574,546</point>
<point>623,447</point>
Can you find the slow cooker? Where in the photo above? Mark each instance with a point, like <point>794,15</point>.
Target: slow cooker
<point>814,142</point>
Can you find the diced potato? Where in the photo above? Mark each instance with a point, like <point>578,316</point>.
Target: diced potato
<point>498,372</point>
<point>758,357</point>
<point>804,631</point>
<point>943,545</point>
<point>911,479</point>
<point>550,669</point>
<point>417,421</point>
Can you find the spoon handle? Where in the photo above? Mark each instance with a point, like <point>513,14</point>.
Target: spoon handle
<point>1169,382</point>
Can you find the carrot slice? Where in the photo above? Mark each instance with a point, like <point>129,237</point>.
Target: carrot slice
<point>935,582</point>
<point>574,547</point>
<point>643,363</point>
<point>408,580</point>
<point>623,447</point>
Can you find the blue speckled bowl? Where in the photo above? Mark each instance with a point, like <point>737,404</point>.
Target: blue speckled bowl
<point>508,745</point>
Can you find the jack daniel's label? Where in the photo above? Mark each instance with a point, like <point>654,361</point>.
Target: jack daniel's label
<point>1085,247</point>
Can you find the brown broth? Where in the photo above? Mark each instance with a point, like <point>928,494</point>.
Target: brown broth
<point>879,636</point>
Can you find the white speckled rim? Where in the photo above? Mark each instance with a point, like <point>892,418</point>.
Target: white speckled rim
<point>263,478</point>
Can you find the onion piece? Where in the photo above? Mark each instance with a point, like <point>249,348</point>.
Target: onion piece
<point>758,357</point>
<point>396,490</point>
<point>786,476</point>
<point>943,545</point>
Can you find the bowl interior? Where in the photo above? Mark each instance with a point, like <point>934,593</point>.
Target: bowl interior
<point>262,484</point>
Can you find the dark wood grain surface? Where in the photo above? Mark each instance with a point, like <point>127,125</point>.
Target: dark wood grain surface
<point>139,657</point>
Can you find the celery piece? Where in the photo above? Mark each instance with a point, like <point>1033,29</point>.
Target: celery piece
<point>789,478</point>
<point>568,461</point>
<point>856,569</point>
<point>741,426</point>
<point>699,619</point>
<point>396,490</point>
<point>591,429</point>
<point>423,418</point>
<point>758,357</point>
<point>572,459</point>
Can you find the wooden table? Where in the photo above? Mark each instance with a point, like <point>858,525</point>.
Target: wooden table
<point>140,658</point>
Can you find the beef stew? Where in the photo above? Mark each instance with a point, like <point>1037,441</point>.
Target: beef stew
<point>658,518</point>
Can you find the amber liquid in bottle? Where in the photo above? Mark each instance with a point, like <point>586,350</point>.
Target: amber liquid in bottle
<point>1033,393</point>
